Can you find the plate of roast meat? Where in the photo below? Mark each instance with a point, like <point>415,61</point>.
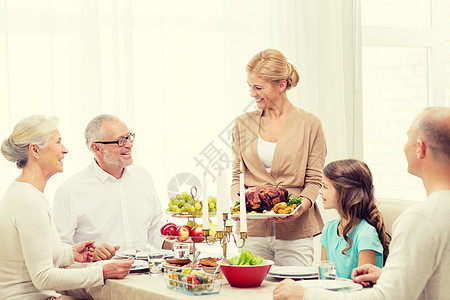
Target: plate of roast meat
<point>263,202</point>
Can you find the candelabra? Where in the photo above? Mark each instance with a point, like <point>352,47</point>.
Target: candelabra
<point>225,236</point>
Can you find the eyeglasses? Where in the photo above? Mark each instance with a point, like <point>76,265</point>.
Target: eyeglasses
<point>121,141</point>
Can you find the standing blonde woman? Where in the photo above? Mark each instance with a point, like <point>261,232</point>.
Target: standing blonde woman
<point>31,256</point>
<point>280,144</point>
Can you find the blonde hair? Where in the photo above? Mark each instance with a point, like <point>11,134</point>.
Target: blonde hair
<point>273,66</point>
<point>35,129</point>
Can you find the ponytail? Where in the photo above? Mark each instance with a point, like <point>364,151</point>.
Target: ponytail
<point>375,219</point>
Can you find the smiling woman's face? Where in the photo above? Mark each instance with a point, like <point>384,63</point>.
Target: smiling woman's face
<point>52,154</point>
<point>262,91</point>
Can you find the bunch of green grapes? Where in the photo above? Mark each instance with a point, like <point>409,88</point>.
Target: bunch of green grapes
<point>184,203</point>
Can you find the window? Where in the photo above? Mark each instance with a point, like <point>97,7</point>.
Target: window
<point>395,88</point>
<point>397,13</point>
<point>405,68</point>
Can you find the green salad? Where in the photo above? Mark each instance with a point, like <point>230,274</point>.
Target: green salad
<point>247,259</point>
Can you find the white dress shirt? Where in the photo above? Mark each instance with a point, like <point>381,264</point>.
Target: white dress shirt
<point>93,205</point>
<point>31,253</point>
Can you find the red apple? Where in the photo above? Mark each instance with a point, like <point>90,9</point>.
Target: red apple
<point>164,226</point>
<point>187,227</point>
<point>170,230</point>
<point>182,233</point>
<point>197,234</point>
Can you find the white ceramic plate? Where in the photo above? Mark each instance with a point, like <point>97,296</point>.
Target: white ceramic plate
<point>139,265</point>
<point>292,271</point>
<point>302,277</point>
<point>252,216</point>
<point>332,285</point>
<point>141,255</point>
<point>131,253</point>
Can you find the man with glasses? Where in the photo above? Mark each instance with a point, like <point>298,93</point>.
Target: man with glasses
<point>110,201</point>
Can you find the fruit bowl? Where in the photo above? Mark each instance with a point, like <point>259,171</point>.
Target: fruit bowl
<point>246,276</point>
<point>173,239</point>
<point>189,214</point>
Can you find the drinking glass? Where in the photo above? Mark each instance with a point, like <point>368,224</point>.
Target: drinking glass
<point>327,269</point>
<point>155,263</point>
<point>181,250</point>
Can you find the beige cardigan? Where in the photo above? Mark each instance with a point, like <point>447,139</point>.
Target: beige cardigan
<point>297,164</point>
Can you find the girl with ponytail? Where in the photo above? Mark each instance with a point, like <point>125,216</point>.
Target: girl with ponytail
<point>359,236</point>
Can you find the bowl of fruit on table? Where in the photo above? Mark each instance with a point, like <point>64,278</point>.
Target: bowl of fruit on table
<point>191,232</point>
<point>185,205</point>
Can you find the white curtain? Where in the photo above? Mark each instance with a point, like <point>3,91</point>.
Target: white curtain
<point>173,70</point>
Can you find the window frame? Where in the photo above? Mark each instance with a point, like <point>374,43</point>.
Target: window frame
<point>434,38</point>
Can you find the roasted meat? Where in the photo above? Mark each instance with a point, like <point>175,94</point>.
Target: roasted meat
<point>262,198</point>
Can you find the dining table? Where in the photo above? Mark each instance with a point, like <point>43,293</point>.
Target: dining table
<point>146,286</point>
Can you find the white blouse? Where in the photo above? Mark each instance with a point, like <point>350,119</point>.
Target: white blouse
<point>265,152</point>
<point>31,253</point>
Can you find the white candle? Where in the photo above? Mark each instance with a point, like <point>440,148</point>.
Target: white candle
<point>243,209</point>
<point>220,202</point>
<point>227,202</point>
<point>205,204</point>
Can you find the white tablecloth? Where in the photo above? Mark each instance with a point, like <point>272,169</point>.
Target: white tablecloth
<point>145,286</point>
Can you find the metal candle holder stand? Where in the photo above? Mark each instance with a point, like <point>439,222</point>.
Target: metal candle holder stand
<point>224,237</point>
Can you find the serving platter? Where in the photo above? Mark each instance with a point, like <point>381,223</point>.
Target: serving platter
<point>267,215</point>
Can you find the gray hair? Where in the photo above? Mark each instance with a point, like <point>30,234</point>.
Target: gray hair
<point>433,126</point>
<point>95,131</point>
<point>35,129</point>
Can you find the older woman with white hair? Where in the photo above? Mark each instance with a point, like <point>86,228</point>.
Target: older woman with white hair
<point>31,253</point>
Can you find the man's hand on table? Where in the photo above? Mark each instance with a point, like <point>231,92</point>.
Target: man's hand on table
<point>288,289</point>
<point>105,252</point>
<point>366,275</point>
<point>83,251</point>
<point>117,269</point>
